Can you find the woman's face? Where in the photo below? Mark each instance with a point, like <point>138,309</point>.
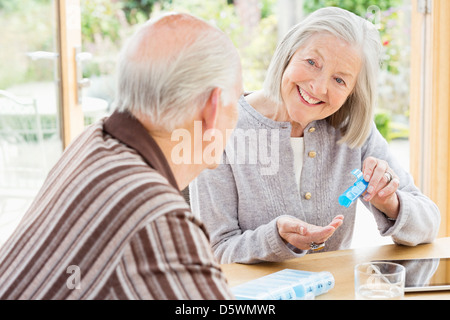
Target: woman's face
<point>319,78</point>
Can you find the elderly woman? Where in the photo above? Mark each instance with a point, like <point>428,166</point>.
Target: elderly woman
<point>314,116</point>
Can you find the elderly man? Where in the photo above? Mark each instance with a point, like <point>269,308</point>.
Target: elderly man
<point>110,221</point>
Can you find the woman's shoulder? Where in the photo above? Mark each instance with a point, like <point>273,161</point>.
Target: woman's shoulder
<point>251,114</point>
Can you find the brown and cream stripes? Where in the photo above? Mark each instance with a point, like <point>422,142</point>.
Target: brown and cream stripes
<point>110,208</point>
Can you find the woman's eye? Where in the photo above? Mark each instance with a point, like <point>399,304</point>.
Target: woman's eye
<point>340,81</point>
<point>311,62</point>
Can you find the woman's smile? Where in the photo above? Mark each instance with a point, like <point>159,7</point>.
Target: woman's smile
<point>307,99</point>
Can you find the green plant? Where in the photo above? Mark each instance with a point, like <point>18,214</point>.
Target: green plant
<point>382,121</point>
<point>100,18</point>
<point>137,10</point>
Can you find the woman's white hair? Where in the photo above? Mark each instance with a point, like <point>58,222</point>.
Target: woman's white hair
<point>355,117</point>
<point>169,87</point>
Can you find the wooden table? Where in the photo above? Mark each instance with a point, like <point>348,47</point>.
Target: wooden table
<point>341,264</point>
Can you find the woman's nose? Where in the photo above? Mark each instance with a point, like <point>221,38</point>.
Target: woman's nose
<point>319,86</point>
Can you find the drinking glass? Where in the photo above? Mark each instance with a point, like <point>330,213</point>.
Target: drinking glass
<point>379,281</point>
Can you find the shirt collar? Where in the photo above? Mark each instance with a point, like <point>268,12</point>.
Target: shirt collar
<point>126,128</point>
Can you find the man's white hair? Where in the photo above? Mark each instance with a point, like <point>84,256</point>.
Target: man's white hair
<point>169,87</point>
<point>355,117</point>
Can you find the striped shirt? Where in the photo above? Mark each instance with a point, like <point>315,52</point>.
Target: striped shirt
<point>110,223</point>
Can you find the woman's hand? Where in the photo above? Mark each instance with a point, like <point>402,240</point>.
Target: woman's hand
<point>383,184</point>
<point>301,234</point>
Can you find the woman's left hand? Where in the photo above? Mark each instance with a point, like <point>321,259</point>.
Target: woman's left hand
<point>383,184</point>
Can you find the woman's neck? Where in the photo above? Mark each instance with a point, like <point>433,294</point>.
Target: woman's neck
<point>273,111</point>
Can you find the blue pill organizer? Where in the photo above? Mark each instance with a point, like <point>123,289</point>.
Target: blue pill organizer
<point>287,284</point>
<point>357,189</point>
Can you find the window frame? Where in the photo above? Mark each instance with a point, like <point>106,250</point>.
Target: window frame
<point>430,103</point>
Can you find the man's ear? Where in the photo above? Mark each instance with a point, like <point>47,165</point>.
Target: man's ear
<point>211,109</point>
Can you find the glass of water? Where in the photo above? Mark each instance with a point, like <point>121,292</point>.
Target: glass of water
<point>379,281</point>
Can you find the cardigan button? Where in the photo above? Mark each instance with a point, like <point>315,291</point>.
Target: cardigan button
<point>308,196</point>
<point>312,154</point>
<point>312,129</point>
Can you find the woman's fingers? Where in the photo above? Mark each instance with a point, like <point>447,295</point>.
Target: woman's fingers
<point>320,234</point>
<point>383,186</point>
<point>337,221</point>
<point>373,171</point>
<point>383,182</point>
<point>301,234</point>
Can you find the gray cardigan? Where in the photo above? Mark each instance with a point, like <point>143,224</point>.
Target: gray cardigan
<point>240,201</point>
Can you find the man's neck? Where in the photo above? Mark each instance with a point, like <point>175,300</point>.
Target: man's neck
<point>184,173</point>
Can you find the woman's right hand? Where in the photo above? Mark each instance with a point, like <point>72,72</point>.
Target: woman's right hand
<point>301,234</point>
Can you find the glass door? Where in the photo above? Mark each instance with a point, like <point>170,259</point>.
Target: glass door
<point>30,130</point>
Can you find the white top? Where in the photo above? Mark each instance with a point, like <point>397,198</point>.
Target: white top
<point>298,146</point>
